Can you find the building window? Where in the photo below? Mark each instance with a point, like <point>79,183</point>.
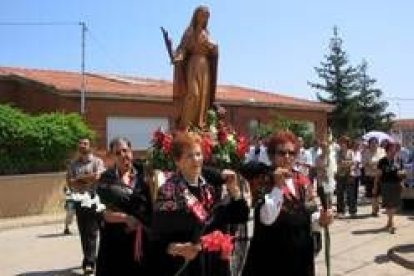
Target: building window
<point>138,130</point>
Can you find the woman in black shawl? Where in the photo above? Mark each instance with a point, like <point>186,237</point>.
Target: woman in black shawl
<point>282,242</point>
<point>187,207</point>
<point>123,248</point>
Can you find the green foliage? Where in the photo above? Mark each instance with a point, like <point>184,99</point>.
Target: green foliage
<point>160,161</point>
<point>358,106</point>
<point>371,110</point>
<point>263,130</point>
<point>211,118</point>
<point>339,82</point>
<point>224,153</point>
<point>279,122</point>
<point>31,144</point>
<point>300,129</point>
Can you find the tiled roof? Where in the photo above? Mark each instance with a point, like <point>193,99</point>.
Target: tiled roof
<point>111,85</point>
<point>403,123</point>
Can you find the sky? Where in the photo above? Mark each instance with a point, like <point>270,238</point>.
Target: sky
<point>270,45</point>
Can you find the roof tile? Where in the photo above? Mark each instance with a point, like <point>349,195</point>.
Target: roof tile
<point>404,123</point>
<point>112,84</point>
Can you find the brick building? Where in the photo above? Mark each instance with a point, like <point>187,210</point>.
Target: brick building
<point>135,107</point>
<point>404,130</point>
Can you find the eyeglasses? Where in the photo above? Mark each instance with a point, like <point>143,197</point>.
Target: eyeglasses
<point>121,151</point>
<point>284,152</point>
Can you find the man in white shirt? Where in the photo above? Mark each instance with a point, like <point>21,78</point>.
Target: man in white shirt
<point>82,175</point>
<point>258,152</point>
<point>303,159</point>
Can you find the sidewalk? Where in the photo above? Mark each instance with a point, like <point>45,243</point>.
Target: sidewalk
<point>34,220</point>
<point>361,246</point>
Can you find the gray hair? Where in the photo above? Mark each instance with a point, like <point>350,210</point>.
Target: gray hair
<point>117,141</point>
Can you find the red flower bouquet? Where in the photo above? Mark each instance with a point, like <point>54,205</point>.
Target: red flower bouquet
<point>214,242</point>
<point>229,147</point>
<point>218,242</point>
<point>159,154</point>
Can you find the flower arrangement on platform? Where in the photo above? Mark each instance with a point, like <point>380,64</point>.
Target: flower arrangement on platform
<point>229,147</point>
<point>222,146</point>
<point>159,154</point>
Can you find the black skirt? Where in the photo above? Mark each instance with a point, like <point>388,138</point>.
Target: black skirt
<point>391,194</point>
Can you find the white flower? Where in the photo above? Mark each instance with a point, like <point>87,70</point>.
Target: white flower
<point>213,129</point>
<point>231,139</point>
<point>86,201</point>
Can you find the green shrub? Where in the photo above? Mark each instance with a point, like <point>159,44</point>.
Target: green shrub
<point>43,143</point>
<point>299,128</point>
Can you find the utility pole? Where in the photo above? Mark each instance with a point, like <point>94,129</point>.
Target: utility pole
<point>82,102</point>
<point>83,32</point>
<point>400,132</point>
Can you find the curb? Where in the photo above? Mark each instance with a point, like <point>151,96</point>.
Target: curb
<point>29,221</point>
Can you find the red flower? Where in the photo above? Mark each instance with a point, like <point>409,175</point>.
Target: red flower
<point>222,136</point>
<point>166,143</point>
<point>162,140</point>
<point>218,242</point>
<point>206,146</point>
<point>158,137</point>
<point>227,247</point>
<point>242,146</point>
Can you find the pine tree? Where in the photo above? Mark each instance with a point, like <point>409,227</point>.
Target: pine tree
<point>371,110</point>
<point>340,85</point>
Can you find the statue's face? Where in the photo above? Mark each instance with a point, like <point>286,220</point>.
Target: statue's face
<point>202,17</point>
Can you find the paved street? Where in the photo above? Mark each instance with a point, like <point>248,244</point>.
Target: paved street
<point>39,251</point>
<point>359,247</point>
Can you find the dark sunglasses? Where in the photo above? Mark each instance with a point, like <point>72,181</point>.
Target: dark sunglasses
<point>121,151</point>
<point>284,152</point>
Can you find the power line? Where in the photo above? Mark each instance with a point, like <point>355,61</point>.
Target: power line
<point>398,99</point>
<point>83,90</point>
<point>87,31</point>
<point>104,50</point>
<point>56,23</point>
<point>64,23</point>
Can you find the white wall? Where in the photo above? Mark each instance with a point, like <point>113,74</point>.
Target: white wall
<point>138,130</point>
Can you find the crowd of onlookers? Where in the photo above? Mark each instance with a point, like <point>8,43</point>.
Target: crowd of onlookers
<point>355,163</point>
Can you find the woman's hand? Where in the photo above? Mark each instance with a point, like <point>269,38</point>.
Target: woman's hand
<point>131,223</point>
<point>279,176</point>
<point>325,217</point>
<point>402,174</point>
<point>231,182</point>
<point>186,250</point>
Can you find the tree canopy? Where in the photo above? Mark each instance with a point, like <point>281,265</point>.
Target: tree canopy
<point>357,104</point>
